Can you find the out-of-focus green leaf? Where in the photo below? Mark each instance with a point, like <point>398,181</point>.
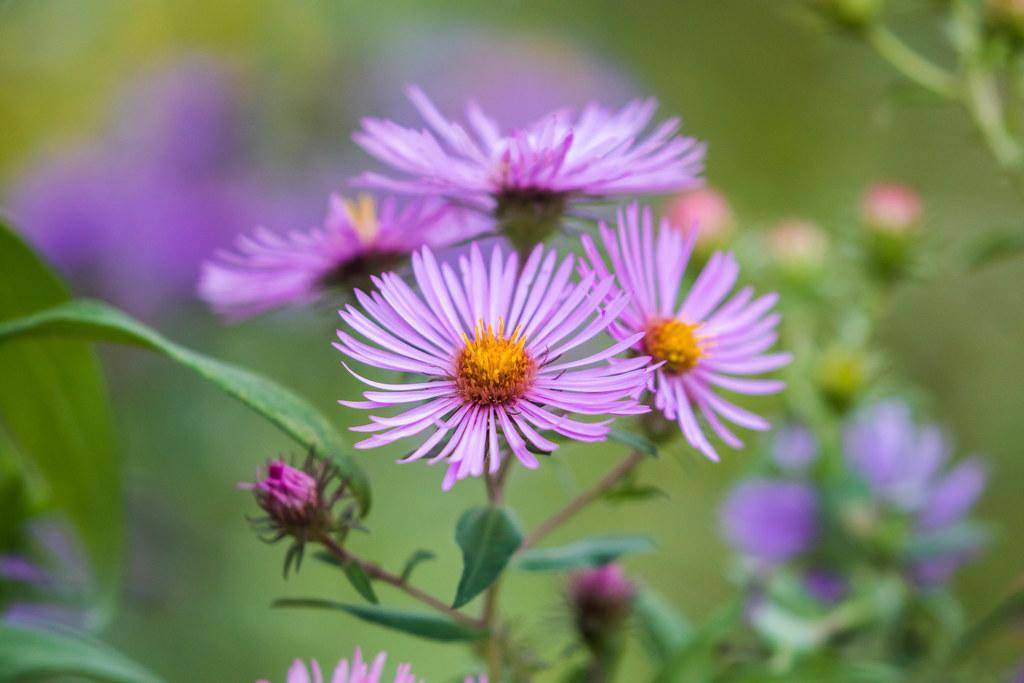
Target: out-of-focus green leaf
<point>27,654</point>
<point>54,410</point>
<point>964,537</point>
<point>420,624</point>
<point>590,552</point>
<point>295,416</point>
<point>664,629</point>
<point>415,559</point>
<point>488,536</point>
<point>695,660</point>
<point>1009,610</point>
<point>634,441</point>
<point>993,246</point>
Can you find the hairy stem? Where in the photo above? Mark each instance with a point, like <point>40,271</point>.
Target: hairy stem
<point>375,571</point>
<point>583,500</point>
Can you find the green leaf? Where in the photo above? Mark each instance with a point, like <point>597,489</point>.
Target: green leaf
<point>963,537</point>
<point>695,660</point>
<point>55,412</point>
<point>27,654</point>
<point>294,415</point>
<point>634,441</point>
<point>590,552</point>
<point>360,581</point>
<point>665,630</point>
<point>415,559</point>
<point>488,536</point>
<point>993,246</point>
<point>420,624</point>
<point>353,572</point>
<point>1010,610</point>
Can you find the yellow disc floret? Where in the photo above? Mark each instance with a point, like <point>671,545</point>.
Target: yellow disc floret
<point>362,212</point>
<point>674,341</point>
<point>492,369</point>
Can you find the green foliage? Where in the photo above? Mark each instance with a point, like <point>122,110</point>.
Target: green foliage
<point>634,441</point>
<point>54,410</point>
<point>488,536</point>
<point>424,625</point>
<point>663,628</point>
<point>415,559</point>
<point>360,581</point>
<point>295,416</point>
<point>27,654</point>
<point>590,552</point>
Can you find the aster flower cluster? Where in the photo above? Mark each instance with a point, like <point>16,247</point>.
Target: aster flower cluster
<point>896,511</point>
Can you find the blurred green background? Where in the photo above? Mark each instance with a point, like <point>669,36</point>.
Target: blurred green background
<point>798,120</point>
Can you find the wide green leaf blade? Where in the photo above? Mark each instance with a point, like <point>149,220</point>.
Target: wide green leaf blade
<point>27,654</point>
<point>590,552</point>
<point>294,415</point>
<point>422,624</point>
<point>488,536</point>
<point>55,412</point>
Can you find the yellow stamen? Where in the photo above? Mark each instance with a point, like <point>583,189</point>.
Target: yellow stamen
<point>675,342</point>
<point>492,369</point>
<point>362,212</point>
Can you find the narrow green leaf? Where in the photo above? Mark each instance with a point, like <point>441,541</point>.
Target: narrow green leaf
<point>665,630</point>
<point>27,654</point>
<point>420,624</point>
<point>415,559</point>
<point>993,246</point>
<point>56,416</point>
<point>634,441</point>
<point>294,415</point>
<point>590,552</point>
<point>1009,610</point>
<point>360,581</point>
<point>488,536</point>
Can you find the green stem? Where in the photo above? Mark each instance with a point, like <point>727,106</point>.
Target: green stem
<point>911,64</point>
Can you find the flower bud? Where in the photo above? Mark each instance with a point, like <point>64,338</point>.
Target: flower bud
<point>891,208</point>
<point>1006,16</point>
<point>851,14</point>
<point>299,503</point>
<point>842,375</point>
<point>601,600</point>
<point>706,211</point>
<point>797,246</point>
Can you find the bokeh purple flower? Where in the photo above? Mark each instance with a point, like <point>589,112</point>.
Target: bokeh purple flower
<point>771,521</point>
<point>702,343</point>
<point>795,447</point>
<point>491,340</point>
<point>903,467</point>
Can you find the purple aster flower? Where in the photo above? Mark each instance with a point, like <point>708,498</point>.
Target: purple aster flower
<point>826,586</point>
<point>710,341</point>
<point>271,270</point>
<point>597,154</point>
<point>902,466</point>
<point>355,671</point>
<point>492,342</point>
<point>795,447</point>
<point>771,521</point>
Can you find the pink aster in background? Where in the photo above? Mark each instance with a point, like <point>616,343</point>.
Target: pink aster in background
<point>356,671</point>
<point>704,211</point>
<point>597,154</point>
<point>708,342</point>
<point>493,344</point>
<point>269,270</point>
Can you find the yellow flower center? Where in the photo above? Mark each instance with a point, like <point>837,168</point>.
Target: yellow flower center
<point>493,369</point>
<point>362,212</point>
<point>675,342</point>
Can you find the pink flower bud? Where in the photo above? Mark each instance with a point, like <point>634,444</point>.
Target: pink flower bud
<point>283,489</point>
<point>600,600</point>
<point>797,244</point>
<point>891,208</point>
<point>705,210</point>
